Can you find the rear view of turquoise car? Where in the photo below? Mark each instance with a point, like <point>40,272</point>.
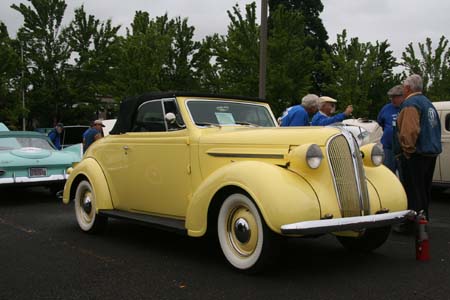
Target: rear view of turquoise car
<point>29,158</point>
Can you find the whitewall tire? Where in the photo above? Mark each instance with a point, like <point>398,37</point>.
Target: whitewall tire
<point>85,209</point>
<point>243,235</point>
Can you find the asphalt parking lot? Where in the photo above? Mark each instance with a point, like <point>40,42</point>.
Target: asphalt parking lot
<point>43,255</point>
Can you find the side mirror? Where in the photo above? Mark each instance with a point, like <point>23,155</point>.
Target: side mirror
<point>170,118</point>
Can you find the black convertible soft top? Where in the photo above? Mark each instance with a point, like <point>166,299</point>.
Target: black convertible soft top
<point>129,106</point>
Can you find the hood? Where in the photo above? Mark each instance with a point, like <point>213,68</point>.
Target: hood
<point>273,136</point>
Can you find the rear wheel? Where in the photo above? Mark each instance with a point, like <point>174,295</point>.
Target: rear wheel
<point>85,209</point>
<point>370,240</point>
<point>245,239</point>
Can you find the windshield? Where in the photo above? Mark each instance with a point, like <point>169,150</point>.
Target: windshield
<point>215,112</point>
<point>11,143</point>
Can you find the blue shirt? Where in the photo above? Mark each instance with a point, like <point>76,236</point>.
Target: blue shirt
<point>55,137</point>
<point>387,118</point>
<point>89,137</point>
<point>320,119</point>
<point>295,116</point>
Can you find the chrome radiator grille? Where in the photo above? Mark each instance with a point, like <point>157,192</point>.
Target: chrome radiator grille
<point>349,177</point>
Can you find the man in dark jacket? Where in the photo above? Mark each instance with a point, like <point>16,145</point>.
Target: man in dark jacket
<point>56,134</point>
<point>419,143</point>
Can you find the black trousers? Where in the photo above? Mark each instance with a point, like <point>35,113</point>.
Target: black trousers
<point>417,177</point>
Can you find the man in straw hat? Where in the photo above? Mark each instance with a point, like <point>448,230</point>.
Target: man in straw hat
<point>327,107</point>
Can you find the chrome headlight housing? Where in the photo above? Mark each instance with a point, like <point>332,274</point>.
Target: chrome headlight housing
<point>314,156</point>
<point>372,155</point>
<point>377,155</point>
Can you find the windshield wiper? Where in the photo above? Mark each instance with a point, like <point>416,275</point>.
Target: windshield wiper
<point>207,124</point>
<point>246,123</point>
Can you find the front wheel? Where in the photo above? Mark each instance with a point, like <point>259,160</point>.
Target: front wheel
<point>85,209</point>
<point>370,240</point>
<point>246,241</point>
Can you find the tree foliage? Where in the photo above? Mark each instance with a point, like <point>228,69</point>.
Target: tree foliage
<point>433,66</point>
<point>291,61</point>
<point>361,74</point>
<point>67,70</point>
<point>238,53</point>
<point>93,45</point>
<point>10,109</point>
<point>46,55</point>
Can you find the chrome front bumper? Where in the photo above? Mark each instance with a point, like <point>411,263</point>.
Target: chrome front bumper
<point>346,224</point>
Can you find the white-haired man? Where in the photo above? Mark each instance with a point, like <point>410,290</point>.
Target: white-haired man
<point>327,107</point>
<point>418,144</point>
<point>298,115</point>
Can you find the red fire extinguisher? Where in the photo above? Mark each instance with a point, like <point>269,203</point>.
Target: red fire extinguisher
<point>422,241</point>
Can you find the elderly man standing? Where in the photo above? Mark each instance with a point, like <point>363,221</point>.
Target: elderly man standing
<point>419,138</point>
<point>298,115</point>
<point>327,107</point>
<point>387,118</point>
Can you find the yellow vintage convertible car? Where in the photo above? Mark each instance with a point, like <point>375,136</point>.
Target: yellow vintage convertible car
<point>209,164</point>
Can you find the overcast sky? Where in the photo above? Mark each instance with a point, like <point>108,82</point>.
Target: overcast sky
<point>398,21</point>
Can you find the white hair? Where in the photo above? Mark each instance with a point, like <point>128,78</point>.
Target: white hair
<point>310,100</point>
<point>414,82</point>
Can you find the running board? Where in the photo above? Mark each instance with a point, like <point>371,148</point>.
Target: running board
<point>152,221</point>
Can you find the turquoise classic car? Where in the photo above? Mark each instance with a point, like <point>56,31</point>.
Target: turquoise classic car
<point>29,158</point>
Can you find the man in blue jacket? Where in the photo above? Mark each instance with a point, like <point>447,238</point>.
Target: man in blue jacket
<point>56,135</point>
<point>387,118</point>
<point>92,134</point>
<point>298,115</point>
<point>419,143</point>
<point>327,107</point>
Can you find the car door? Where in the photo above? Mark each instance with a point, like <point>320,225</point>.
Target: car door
<point>444,157</point>
<point>156,177</point>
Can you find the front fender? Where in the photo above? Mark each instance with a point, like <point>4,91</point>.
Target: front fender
<point>90,169</point>
<point>281,195</point>
<point>388,187</point>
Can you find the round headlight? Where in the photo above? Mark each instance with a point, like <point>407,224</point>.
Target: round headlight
<point>377,155</point>
<point>314,156</point>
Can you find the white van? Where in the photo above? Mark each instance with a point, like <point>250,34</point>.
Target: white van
<point>441,174</point>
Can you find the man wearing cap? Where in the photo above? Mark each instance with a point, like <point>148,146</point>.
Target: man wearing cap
<point>55,135</point>
<point>92,134</point>
<point>387,118</point>
<point>298,115</point>
<point>327,107</point>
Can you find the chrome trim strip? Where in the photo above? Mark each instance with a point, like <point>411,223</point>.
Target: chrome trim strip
<point>246,155</point>
<point>15,179</point>
<point>346,224</point>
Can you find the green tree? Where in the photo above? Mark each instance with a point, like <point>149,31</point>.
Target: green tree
<point>142,55</point>
<point>238,53</point>
<point>206,70</point>
<point>313,26</point>
<point>361,74</point>
<point>291,61</point>
<point>432,65</point>
<point>93,43</point>
<point>178,73</point>
<point>46,54</point>
<point>10,108</point>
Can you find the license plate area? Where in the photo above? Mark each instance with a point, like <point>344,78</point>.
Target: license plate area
<point>37,172</point>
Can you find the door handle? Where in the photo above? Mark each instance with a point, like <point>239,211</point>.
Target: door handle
<point>126,148</point>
